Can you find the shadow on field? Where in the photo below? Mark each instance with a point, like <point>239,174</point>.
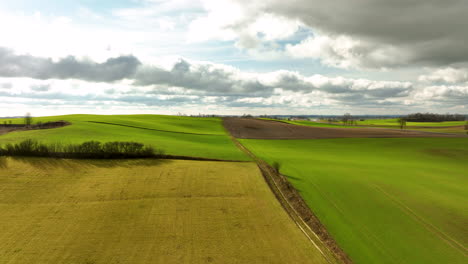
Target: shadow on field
<point>292,177</point>
<point>78,164</point>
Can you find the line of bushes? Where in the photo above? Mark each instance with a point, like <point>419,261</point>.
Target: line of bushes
<point>85,150</point>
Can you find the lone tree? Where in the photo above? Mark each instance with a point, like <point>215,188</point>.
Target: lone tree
<point>346,118</point>
<point>276,166</point>
<point>402,122</point>
<point>28,119</point>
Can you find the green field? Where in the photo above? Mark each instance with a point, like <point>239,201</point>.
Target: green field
<point>448,130</point>
<point>184,124</point>
<point>379,123</point>
<point>143,211</point>
<point>394,122</point>
<point>383,200</point>
<point>188,136</point>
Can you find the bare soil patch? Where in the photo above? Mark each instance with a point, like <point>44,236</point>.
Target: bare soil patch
<point>18,127</point>
<point>263,129</point>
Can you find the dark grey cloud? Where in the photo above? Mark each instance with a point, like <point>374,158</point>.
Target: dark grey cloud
<point>187,83</point>
<point>12,65</point>
<point>214,81</point>
<point>206,77</point>
<point>293,82</point>
<point>389,93</point>
<point>427,32</point>
<point>199,79</point>
<point>372,89</point>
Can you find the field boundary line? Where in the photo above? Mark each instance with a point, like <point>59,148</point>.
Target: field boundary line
<point>298,210</point>
<point>58,155</point>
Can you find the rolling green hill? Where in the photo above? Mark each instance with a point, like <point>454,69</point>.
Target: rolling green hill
<point>188,136</point>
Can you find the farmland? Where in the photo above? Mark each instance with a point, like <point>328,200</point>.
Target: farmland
<point>449,127</point>
<point>393,122</point>
<point>392,200</point>
<point>143,211</point>
<point>234,132</point>
<point>189,136</point>
<point>262,129</point>
<point>384,195</point>
<point>456,127</point>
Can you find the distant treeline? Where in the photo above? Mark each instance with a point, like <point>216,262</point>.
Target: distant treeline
<point>86,150</point>
<point>430,117</point>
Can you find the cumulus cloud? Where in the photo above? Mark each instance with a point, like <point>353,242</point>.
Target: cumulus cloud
<point>126,81</point>
<point>13,65</point>
<point>293,81</point>
<point>220,80</point>
<point>231,21</point>
<point>346,52</point>
<point>446,75</point>
<point>433,32</point>
<point>210,78</point>
<point>449,94</point>
<point>362,33</point>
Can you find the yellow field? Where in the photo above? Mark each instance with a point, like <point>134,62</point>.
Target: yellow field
<point>143,211</point>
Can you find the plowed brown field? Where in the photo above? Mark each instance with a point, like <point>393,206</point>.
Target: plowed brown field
<point>262,129</point>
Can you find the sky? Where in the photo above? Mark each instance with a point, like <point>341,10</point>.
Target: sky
<point>233,57</point>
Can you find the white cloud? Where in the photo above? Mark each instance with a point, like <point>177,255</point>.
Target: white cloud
<point>96,38</point>
<point>274,27</point>
<point>456,95</point>
<point>345,52</point>
<point>227,20</point>
<point>222,16</point>
<point>60,36</point>
<point>446,75</point>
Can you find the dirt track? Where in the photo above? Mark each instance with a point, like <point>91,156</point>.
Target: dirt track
<point>263,129</point>
<point>298,210</point>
